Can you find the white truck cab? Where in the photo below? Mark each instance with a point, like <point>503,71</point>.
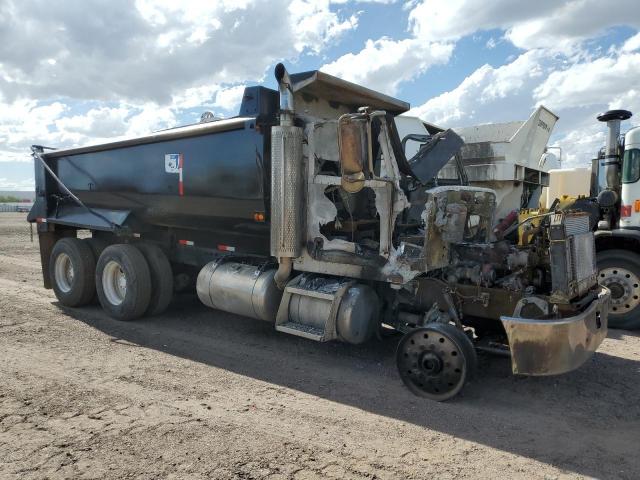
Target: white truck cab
<point>630,191</point>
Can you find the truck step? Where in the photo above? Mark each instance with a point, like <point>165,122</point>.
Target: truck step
<point>306,331</point>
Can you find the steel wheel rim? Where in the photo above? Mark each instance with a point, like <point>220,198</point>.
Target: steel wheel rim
<point>63,272</point>
<point>114,283</point>
<point>624,286</point>
<point>431,364</point>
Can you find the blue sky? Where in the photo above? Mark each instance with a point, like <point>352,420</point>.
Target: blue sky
<point>74,73</point>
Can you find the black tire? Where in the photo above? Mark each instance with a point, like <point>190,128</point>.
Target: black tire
<point>97,246</point>
<point>74,287</point>
<point>161,278</point>
<point>619,271</point>
<point>436,361</point>
<point>123,265</point>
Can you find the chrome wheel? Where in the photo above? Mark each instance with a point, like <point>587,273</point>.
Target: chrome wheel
<point>114,283</point>
<point>63,272</point>
<point>624,286</point>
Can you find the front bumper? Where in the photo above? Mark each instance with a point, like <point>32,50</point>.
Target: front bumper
<point>551,347</point>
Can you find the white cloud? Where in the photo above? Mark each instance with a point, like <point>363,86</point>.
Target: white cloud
<point>314,24</point>
<point>200,96</point>
<point>110,70</point>
<point>632,43</point>
<point>19,185</point>
<point>598,82</point>
<point>585,89</point>
<point>385,63</point>
<point>153,50</point>
<point>541,24</point>
<point>488,94</point>
<point>384,2</point>
<point>13,157</point>
<point>27,122</point>
<point>98,122</point>
<point>151,117</point>
<point>577,92</point>
<point>230,98</point>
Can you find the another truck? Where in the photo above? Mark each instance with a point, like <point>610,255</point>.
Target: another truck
<point>305,211</point>
<point>610,195</point>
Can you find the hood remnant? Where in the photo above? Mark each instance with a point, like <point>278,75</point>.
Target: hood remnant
<point>435,154</point>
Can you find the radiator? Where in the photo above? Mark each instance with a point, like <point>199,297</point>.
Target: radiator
<point>572,256</point>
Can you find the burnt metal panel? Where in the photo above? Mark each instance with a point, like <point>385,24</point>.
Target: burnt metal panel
<point>435,154</point>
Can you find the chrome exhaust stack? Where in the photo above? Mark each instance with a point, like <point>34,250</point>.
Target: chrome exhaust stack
<point>612,163</point>
<point>286,95</point>
<point>286,183</point>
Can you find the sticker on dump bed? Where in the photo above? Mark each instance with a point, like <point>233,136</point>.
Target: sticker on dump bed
<point>172,162</point>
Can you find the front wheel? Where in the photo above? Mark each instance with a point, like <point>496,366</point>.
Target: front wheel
<point>619,271</point>
<point>436,361</point>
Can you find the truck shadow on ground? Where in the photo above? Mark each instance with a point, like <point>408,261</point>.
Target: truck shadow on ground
<point>586,421</point>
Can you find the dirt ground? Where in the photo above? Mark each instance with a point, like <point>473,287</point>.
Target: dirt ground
<point>198,393</point>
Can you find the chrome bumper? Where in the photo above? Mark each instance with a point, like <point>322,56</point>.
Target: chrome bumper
<point>551,347</point>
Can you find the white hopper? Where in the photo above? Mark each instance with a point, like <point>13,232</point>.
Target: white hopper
<point>508,158</point>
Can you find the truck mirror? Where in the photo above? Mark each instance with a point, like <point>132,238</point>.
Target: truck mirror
<point>353,146</point>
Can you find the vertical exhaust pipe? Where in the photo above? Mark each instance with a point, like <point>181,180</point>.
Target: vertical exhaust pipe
<point>286,95</point>
<point>286,183</point>
<point>612,163</point>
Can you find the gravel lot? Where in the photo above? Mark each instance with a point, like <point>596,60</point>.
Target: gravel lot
<point>198,393</point>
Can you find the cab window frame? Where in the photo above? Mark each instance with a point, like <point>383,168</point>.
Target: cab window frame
<point>631,165</point>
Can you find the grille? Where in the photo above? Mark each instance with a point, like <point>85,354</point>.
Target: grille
<point>583,256</point>
<point>572,255</point>
<point>576,224</point>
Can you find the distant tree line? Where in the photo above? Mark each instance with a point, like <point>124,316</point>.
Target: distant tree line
<point>10,199</point>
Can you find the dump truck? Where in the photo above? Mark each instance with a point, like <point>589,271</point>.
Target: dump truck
<point>304,211</point>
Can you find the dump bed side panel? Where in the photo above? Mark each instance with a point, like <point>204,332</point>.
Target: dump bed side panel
<point>213,183</point>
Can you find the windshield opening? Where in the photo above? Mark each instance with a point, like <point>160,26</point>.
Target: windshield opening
<point>631,166</point>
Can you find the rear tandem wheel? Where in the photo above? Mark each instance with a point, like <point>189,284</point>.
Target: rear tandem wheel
<point>436,361</point>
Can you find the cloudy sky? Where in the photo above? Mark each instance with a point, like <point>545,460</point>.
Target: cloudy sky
<point>75,72</point>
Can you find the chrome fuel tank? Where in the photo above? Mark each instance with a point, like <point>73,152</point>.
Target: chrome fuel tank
<point>239,288</point>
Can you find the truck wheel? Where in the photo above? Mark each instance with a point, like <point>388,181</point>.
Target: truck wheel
<point>97,246</point>
<point>436,361</point>
<point>161,278</point>
<point>619,271</point>
<point>72,268</point>
<point>123,282</point>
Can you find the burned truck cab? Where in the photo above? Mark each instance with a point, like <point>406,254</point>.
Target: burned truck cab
<point>350,213</point>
